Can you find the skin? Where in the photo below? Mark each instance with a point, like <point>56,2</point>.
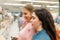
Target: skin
<point>36,23</point>
<point>27,14</point>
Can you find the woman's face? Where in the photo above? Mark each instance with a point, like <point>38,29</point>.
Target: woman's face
<point>26,14</point>
<point>35,21</point>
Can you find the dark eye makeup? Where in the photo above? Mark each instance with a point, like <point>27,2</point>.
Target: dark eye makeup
<point>24,13</point>
<point>33,17</point>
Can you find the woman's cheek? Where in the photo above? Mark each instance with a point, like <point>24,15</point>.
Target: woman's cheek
<point>33,24</point>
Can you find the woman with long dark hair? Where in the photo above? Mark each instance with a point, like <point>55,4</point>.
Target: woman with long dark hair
<point>43,24</point>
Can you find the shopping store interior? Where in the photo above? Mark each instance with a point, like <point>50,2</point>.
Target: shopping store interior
<point>14,7</point>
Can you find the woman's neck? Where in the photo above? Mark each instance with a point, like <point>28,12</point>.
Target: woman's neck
<point>39,28</point>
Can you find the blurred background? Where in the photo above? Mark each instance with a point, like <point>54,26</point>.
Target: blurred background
<point>15,6</point>
<point>9,9</point>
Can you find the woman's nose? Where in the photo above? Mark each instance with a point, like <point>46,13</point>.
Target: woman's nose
<point>31,20</point>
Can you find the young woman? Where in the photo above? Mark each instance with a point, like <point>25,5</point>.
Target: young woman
<point>27,30</point>
<point>27,12</point>
<point>43,25</point>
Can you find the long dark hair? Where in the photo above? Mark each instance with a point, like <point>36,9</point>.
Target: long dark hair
<point>47,22</point>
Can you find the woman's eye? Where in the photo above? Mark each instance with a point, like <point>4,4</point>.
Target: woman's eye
<point>33,17</point>
<point>25,13</point>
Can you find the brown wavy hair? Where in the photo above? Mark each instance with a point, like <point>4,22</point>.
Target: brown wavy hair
<point>29,7</point>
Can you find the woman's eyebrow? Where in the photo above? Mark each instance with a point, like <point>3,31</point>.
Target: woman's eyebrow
<point>32,16</point>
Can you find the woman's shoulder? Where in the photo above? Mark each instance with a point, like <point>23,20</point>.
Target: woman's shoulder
<point>42,35</point>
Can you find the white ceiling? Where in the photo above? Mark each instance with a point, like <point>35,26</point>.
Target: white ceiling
<point>15,5</point>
